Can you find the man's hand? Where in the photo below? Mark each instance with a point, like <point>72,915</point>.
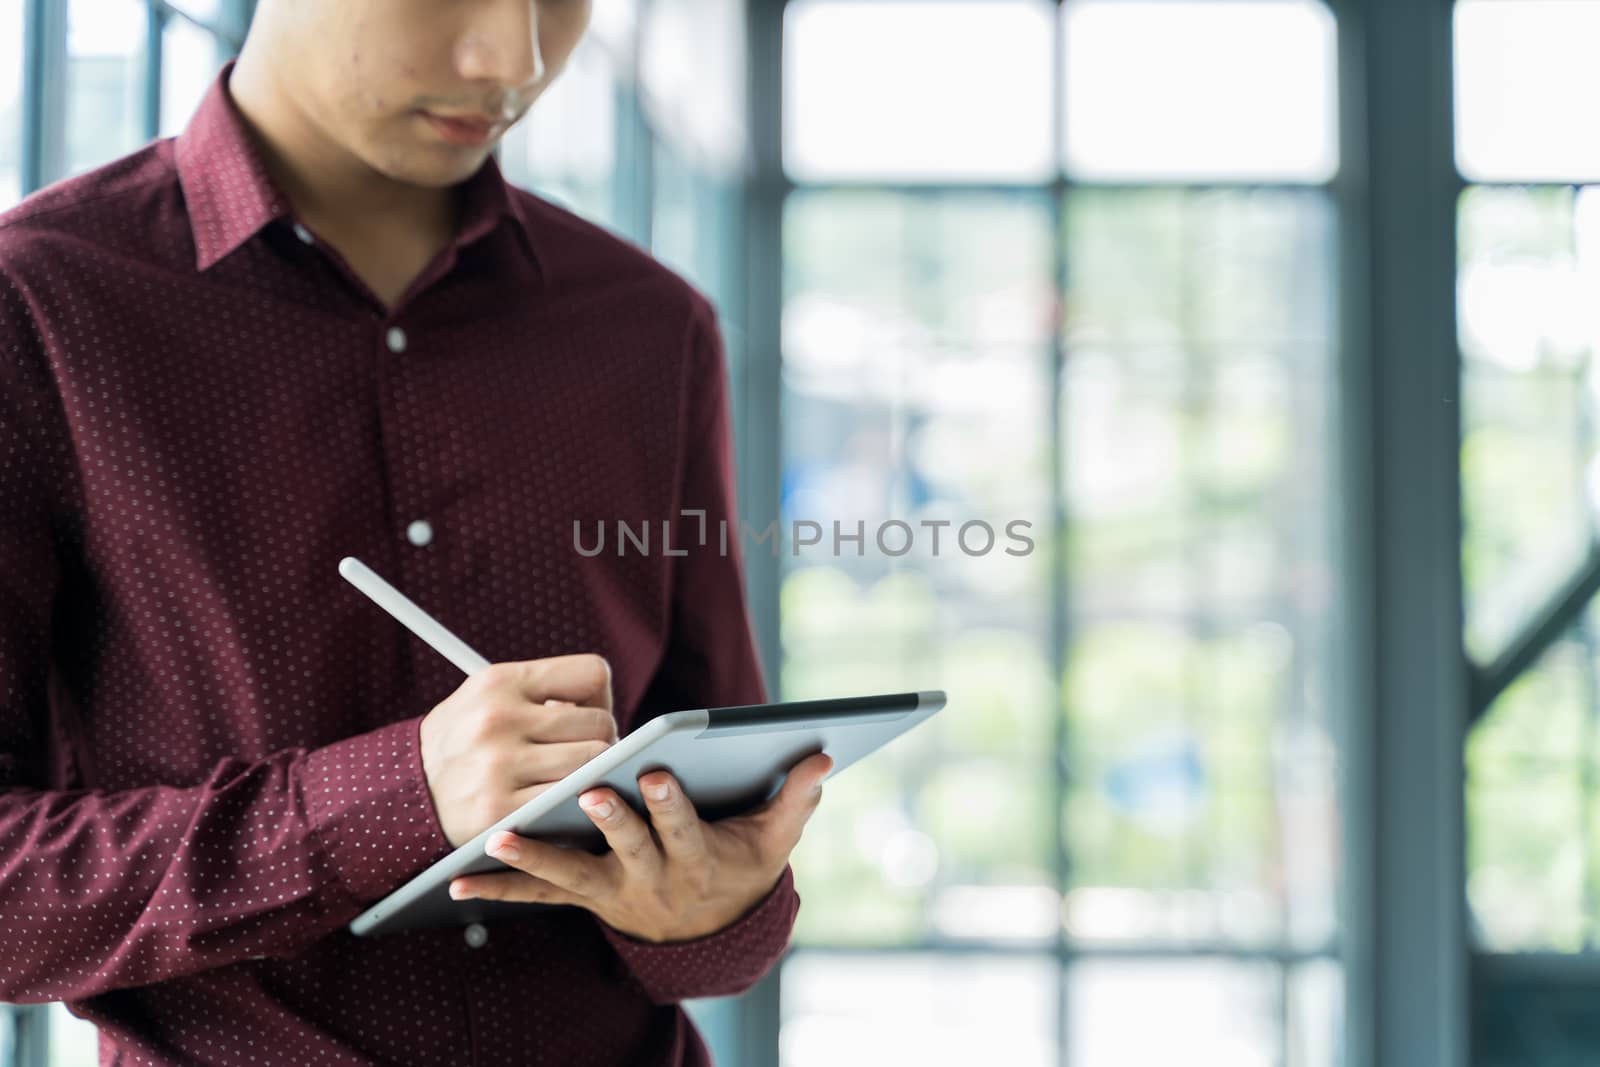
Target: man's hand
<point>674,878</point>
<point>509,732</point>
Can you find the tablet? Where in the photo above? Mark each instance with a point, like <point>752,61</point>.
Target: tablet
<point>728,760</point>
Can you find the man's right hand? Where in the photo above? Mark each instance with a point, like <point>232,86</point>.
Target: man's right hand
<point>509,732</point>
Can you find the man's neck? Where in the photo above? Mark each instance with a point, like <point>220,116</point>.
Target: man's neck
<point>330,188</point>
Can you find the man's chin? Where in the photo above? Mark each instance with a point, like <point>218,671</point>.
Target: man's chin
<point>433,169</point>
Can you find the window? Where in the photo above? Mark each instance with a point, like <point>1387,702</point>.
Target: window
<point>1157,90</point>
<point>691,75</point>
<point>1196,404</point>
<point>190,57</point>
<point>106,69</point>
<point>1131,801</point>
<point>1523,79</point>
<point>11,114</point>
<point>1528,226</point>
<point>913,328</point>
<point>565,148</point>
<point>885,89</point>
<point>893,1008</point>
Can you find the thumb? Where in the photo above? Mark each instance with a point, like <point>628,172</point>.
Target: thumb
<point>801,791</point>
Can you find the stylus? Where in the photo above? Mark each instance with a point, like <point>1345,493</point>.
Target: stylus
<point>412,617</point>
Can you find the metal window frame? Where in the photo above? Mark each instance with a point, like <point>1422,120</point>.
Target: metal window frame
<point>44,60</point>
<point>44,40</point>
<point>1414,970</point>
<point>1405,678</point>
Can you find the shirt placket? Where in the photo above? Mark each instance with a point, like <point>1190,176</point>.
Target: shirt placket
<point>412,472</point>
<point>411,477</point>
<point>395,342</point>
<point>416,484</point>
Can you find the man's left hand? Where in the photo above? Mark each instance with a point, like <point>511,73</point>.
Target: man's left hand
<point>673,878</point>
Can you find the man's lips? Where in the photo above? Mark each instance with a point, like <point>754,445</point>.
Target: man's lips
<point>463,129</point>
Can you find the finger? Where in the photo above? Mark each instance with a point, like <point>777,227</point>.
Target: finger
<point>674,818</point>
<point>569,722</point>
<point>510,885</point>
<point>625,831</point>
<point>572,869</point>
<point>548,761</point>
<point>521,796</point>
<point>583,678</point>
<point>785,815</point>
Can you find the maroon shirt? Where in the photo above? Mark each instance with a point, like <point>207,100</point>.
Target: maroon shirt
<point>208,739</point>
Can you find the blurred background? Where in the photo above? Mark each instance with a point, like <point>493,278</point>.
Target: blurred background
<point>1277,321</point>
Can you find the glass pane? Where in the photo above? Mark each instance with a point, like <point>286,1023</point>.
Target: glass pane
<point>691,224</point>
<point>915,378</point>
<point>565,146</point>
<point>1529,262</point>
<point>190,58</point>
<point>614,24</point>
<point>105,81</point>
<point>205,10</point>
<point>692,78</point>
<point>74,1042</point>
<point>917,90</point>
<point>1533,799</point>
<point>1209,1011</point>
<point>1524,79</point>
<point>1313,1033</point>
<point>925,1009</point>
<point>1157,90</point>
<point>1199,469</point>
<point>1159,269</point>
<point>869,268</point>
<point>1200,810</point>
<point>10,102</point>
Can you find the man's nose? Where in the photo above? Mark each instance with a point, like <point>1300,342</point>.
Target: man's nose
<point>501,44</point>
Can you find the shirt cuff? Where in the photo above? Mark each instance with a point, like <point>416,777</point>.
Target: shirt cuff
<point>723,963</point>
<point>370,809</point>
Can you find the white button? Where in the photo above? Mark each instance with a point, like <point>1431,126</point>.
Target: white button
<point>303,233</point>
<point>396,339</point>
<point>420,532</point>
<point>476,935</point>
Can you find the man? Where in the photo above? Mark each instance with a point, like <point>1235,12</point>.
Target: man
<point>318,323</point>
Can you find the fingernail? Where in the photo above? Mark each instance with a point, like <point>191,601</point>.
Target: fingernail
<point>461,891</point>
<point>658,791</point>
<point>505,850</point>
<point>599,805</point>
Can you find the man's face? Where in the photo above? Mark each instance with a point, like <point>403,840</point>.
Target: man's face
<point>384,78</point>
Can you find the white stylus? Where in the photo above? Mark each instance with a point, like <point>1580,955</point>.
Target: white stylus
<point>412,617</point>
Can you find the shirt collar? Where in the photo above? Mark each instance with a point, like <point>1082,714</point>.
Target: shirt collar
<point>490,200</point>
<point>230,195</point>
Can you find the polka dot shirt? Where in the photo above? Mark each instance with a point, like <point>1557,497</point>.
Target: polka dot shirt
<point>209,756</point>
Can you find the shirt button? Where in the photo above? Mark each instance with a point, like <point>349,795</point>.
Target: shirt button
<point>420,532</point>
<point>476,935</point>
<point>303,233</point>
<point>396,339</point>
